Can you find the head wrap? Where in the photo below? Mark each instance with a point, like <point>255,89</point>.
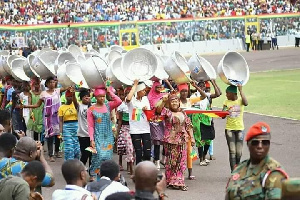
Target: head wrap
<point>232,89</point>
<point>9,77</point>
<point>207,84</point>
<point>68,93</point>
<point>173,96</point>
<point>153,95</point>
<point>183,86</point>
<point>140,87</point>
<point>260,128</point>
<point>100,90</point>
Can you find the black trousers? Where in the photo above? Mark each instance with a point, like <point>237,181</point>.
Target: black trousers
<point>202,151</point>
<point>141,152</point>
<point>84,142</point>
<point>156,152</point>
<point>248,46</point>
<point>50,141</point>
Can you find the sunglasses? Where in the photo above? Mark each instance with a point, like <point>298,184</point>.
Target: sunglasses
<point>257,142</point>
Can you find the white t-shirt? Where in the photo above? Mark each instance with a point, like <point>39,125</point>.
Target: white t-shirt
<point>113,187</point>
<point>24,100</point>
<point>82,120</point>
<point>137,119</point>
<point>71,192</point>
<point>203,104</point>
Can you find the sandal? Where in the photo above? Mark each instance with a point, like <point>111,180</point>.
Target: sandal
<point>121,168</point>
<point>184,188</point>
<point>192,177</point>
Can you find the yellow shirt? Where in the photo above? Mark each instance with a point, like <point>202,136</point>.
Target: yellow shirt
<point>236,111</point>
<point>68,112</point>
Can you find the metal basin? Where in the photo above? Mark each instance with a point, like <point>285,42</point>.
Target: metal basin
<point>3,72</point>
<point>27,67</point>
<point>62,58</point>
<point>177,68</point>
<point>17,69</point>
<point>93,70</point>
<point>75,51</point>
<point>116,48</point>
<point>44,66</point>
<point>116,83</point>
<point>139,64</point>
<point>233,69</point>
<point>160,73</point>
<point>112,55</point>
<point>201,69</point>
<point>73,71</point>
<point>118,73</point>
<point>62,77</point>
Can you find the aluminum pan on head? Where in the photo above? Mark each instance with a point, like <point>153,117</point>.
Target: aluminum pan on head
<point>7,64</point>
<point>17,69</point>
<point>233,69</point>
<point>139,63</point>
<point>112,55</point>
<point>73,71</point>
<point>3,72</point>
<point>62,58</point>
<point>177,68</point>
<point>116,48</point>
<point>28,69</point>
<point>45,64</point>
<point>62,77</point>
<point>93,70</point>
<point>160,73</point>
<point>75,51</point>
<point>118,73</point>
<point>201,69</point>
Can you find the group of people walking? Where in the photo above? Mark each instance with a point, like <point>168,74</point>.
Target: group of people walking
<point>148,116</point>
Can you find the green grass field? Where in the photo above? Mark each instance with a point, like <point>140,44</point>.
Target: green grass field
<point>273,93</point>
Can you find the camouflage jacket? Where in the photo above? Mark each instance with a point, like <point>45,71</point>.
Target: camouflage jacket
<point>259,182</point>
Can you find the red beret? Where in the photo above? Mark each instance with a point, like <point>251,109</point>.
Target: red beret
<point>259,128</point>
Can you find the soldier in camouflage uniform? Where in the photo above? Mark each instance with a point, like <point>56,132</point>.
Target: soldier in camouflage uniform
<point>259,177</point>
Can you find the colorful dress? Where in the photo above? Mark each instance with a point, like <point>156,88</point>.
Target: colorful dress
<point>70,126</point>
<point>50,113</point>
<point>175,138</point>
<point>35,122</point>
<point>100,130</point>
<point>125,146</point>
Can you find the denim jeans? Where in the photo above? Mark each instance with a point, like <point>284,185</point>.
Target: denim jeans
<point>235,146</point>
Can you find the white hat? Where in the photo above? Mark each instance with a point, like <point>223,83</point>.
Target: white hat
<point>140,87</point>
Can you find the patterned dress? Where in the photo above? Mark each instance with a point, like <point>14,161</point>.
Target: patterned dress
<point>176,136</point>
<point>103,136</point>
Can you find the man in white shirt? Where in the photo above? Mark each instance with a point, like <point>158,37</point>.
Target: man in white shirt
<point>109,181</point>
<point>76,177</point>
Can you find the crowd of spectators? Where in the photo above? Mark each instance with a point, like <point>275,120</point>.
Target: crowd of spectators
<point>60,11</point>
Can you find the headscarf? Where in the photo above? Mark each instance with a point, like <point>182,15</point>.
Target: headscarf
<point>207,84</point>
<point>153,95</point>
<point>100,90</point>
<point>140,87</point>
<point>232,89</point>
<point>68,93</point>
<point>183,86</point>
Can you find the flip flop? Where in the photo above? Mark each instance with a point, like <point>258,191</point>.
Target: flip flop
<point>184,188</point>
<point>192,178</point>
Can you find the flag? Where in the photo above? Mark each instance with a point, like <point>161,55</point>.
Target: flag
<point>210,113</point>
<point>136,114</point>
<point>9,105</point>
<point>193,155</point>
